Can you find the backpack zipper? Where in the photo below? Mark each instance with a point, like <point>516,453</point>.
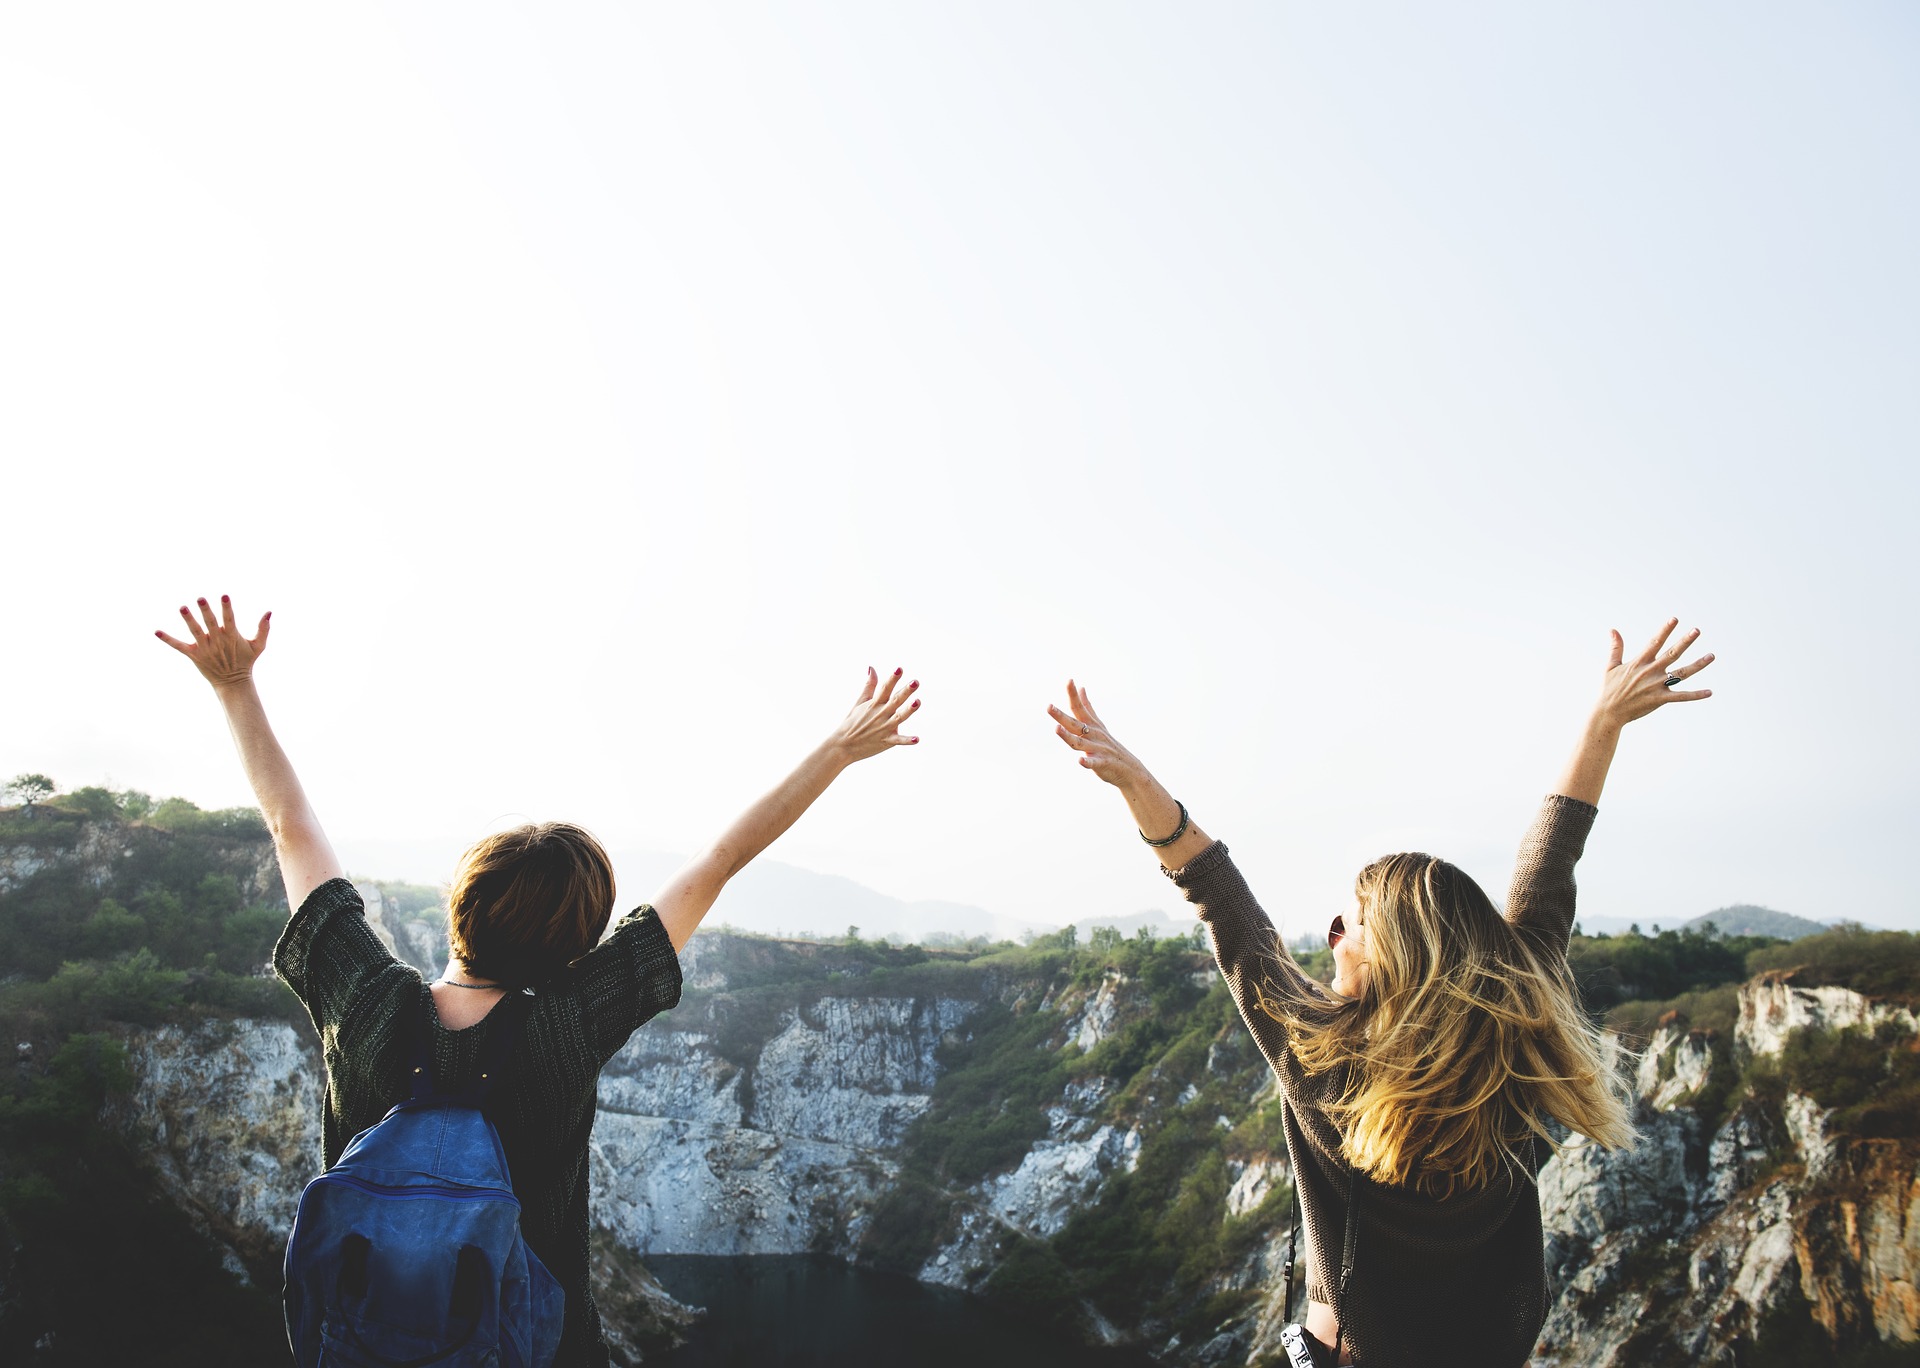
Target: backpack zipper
<point>457,1194</point>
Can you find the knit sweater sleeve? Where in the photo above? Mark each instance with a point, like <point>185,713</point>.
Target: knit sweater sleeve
<point>1540,898</point>
<point>1253,961</point>
<point>328,953</point>
<point>626,979</point>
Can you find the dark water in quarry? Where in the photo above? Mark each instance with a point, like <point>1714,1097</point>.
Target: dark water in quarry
<point>798,1311</point>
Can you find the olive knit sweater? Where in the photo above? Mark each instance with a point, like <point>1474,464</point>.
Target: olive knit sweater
<point>1436,1280</point>
<point>364,1003</point>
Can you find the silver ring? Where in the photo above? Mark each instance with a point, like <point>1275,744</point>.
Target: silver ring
<point>1672,680</point>
<point>1085,730</point>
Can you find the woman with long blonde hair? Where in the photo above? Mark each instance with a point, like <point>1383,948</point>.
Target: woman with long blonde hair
<point>1422,1091</point>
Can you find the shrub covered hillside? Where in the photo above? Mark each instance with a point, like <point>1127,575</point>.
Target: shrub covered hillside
<point>117,910</point>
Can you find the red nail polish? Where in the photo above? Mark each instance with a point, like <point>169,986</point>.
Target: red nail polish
<point>896,674</point>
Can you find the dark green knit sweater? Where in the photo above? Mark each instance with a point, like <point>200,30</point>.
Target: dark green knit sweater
<point>1436,1280</point>
<point>364,1002</point>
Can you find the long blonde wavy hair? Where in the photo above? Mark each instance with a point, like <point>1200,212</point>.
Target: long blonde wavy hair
<point>1466,1039</point>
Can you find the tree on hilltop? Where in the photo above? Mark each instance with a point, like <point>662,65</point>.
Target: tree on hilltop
<point>28,789</point>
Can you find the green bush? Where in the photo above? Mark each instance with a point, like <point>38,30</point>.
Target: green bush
<point>1612,970</point>
<point>87,1218</point>
<point>908,1224</point>
<point>1871,1080</point>
<point>1883,964</point>
<point>184,818</point>
<point>1710,1009</point>
<point>92,801</point>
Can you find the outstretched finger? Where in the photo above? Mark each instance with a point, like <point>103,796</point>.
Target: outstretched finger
<point>1679,648</point>
<point>1659,640</point>
<point>259,642</point>
<point>886,689</point>
<point>905,711</point>
<point>1073,737</point>
<point>873,682</point>
<point>1686,695</point>
<point>206,611</point>
<point>193,624</point>
<point>1619,649</point>
<point>1086,701</point>
<point>1077,701</point>
<point>1688,671</point>
<point>226,613</point>
<point>1072,724</point>
<point>179,646</point>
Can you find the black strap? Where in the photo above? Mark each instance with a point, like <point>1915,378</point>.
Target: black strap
<point>507,1016</point>
<point>1346,1255</point>
<point>1346,1258</point>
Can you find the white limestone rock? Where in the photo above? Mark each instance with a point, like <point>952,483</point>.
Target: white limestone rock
<point>1675,1067</point>
<point>1100,1017</point>
<point>855,1071</point>
<point>1056,1176</point>
<point>677,1075</point>
<point>675,1187</point>
<point>1771,1010</point>
<point>1252,1182</point>
<point>228,1112</point>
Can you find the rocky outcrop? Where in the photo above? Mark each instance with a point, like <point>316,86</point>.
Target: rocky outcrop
<point>756,1121</point>
<point>1684,1249</point>
<point>94,851</point>
<point>420,940</point>
<point>228,1113</point>
<point>1773,1006</point>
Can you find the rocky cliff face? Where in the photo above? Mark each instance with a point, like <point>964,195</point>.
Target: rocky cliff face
<point>753,1122</point>
<point>1718,1233</point>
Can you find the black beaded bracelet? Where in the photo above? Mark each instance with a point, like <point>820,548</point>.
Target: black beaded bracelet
<point>1178,831</point>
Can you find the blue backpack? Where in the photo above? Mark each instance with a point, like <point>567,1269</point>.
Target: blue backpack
<point>408,1253</point>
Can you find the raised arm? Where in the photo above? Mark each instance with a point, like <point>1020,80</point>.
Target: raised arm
<point>1155,811</point>
<point>871,727</point>
<point>225,660</point>
<point>1542,891</point>
<point>1629,691</point>
<point>1258,970</point>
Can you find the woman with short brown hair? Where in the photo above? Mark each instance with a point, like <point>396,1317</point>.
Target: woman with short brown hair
<point>529,910</point>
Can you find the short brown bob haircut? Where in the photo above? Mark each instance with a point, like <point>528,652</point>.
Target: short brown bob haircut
<point>526,903</point>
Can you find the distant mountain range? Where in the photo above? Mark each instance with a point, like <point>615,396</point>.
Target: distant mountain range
<point>773,899</point>
<point>1742,919</point>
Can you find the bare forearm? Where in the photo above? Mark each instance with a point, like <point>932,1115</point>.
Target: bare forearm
<point>306,857</point>
<point>871,727</point>
<point>691,893</point>
<point>1629,690</point>
<point>276,788</point>
<point>1157,814</point>
<point>779,808</point>
<point>1586,769</point>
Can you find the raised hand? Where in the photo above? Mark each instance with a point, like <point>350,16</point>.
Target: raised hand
<point>1085,732</point>
<point>1632,689</point>
<point>218,651</point>
<point>1162,822</point>
<point>874,723</point>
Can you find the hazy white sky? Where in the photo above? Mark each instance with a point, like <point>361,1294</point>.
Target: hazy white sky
<point>592,391</point>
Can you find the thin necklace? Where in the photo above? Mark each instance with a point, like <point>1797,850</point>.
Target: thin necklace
<point>482,987</point>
